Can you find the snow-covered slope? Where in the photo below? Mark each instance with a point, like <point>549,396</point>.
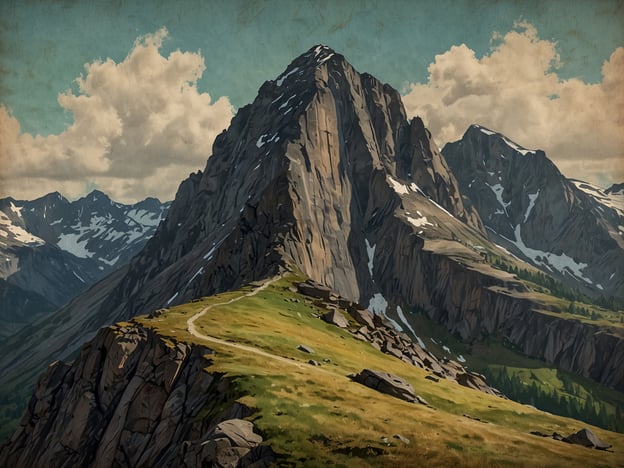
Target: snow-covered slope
<point>611,198</point>
<point>52,249</point>
<point>569,229</point>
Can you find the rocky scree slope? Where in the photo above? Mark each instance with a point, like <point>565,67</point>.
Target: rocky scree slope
<point>132,398</point>
<point>52,249</point>
<point>569,229</point>
<point>323,173</point>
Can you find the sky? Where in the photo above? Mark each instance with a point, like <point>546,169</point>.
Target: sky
<point>127,97</point>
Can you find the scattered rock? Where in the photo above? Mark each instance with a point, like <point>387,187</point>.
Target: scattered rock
<point>305,349</point>
<point>403,439</point>
<point>433,378</point>
<point>362,316</point>
<point>335,317</point>
<point>227,445</point>
<point>314,363</point>
<point>541,434</point>
<point>587,438</point>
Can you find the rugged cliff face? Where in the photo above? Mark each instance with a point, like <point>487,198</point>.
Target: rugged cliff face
<point>297,178</point>
<point>134,399</point>
<point>569,229</point>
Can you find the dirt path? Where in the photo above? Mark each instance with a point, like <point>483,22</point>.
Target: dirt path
<point>190,326</point>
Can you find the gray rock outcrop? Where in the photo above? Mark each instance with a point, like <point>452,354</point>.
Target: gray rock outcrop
<point>132,398</point>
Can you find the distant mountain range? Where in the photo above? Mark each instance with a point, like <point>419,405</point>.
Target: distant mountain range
<point>52,249</point>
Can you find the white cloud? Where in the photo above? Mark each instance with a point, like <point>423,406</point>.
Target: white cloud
<point>140,127</point>
<point>516,90</point>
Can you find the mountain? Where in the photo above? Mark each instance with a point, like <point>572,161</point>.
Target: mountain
<point>569,229</point>
<point>323,176</point>
<point>53,249</point>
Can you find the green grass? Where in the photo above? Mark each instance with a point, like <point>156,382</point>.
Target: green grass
<point>492,354</point>
<point>317,415</point>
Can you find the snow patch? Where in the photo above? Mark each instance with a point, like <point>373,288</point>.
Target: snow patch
<point>16,209</point>
<point>406,323</point>
<point>109,262</point>
<point>280,80</point>
<point>144,217</point>
<point>416,188</point>
<point>78,276</point>
<point>461,358</point>
<point>446,349</point>
<point>562,263</point>
<point>532,198</point>
<point>75,244</point>
<point>518,148</point>
<point>171,299</point>
<point>370,251</point>
<point>419,222</point>
<point>498,191</point>
<point>199,272</point>
<point>378,305</point>
<point>287,101</point>
<point>398,186</point>
<point>18,233</point>
<point>486,131</point>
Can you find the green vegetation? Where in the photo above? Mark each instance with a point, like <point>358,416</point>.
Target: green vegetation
<point>557,392</point>
<point>528,380</point>
<point>317,415</point>
<point>546,284</point>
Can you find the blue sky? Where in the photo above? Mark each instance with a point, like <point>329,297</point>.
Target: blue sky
<point>45,45</point>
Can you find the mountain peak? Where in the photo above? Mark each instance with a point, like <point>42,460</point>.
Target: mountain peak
<point>479,129</point>
<point>303,68</point>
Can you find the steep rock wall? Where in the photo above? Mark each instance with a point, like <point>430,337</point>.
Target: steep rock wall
<point>131,398</point>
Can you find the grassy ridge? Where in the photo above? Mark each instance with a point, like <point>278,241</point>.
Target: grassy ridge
<point>317,415</point>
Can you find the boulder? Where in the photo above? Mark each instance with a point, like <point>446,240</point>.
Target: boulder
<point>305,349</point>
<point>238,431</point>
<point>335,317</point>
<point>312,289</point>
<point>402,438</point>
<point>385,382</point>
<point>587,438</point>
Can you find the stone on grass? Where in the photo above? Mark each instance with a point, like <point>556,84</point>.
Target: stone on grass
<point>587,438</point>
<point>335,317</point>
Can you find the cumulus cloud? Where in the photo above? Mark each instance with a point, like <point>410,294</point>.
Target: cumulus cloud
<point>139,127</point>
<point>516,90</point>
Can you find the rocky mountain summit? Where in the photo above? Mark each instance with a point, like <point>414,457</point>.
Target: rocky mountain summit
<point>52,249</point>
<point>569,229</point>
